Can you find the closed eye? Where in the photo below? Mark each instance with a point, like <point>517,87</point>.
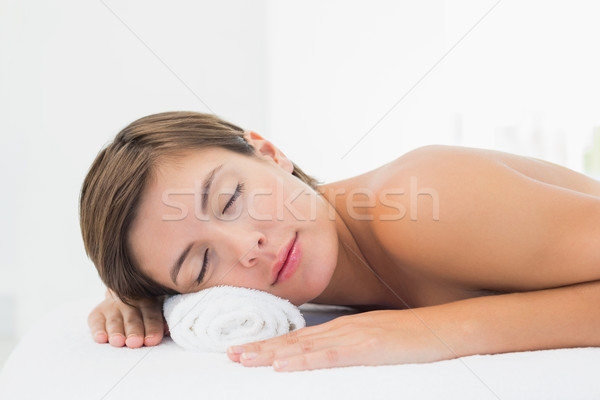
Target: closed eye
<point>204,268</point>
<point>238,190</point>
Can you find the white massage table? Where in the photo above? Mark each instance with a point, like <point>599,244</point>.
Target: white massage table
<point>58,359</point>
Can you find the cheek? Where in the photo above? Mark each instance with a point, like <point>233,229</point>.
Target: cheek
<point>297,202</point>
<point>322,260</point>
<point>260,206</point>
<point>267,201</point>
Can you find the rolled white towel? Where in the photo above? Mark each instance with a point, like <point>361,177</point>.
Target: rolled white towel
<point>216,318</point>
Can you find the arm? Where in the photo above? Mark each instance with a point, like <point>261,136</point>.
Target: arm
<point>120,324</point>
<point>544,319</point>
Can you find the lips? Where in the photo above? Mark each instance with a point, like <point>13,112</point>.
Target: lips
<point>285,265</point>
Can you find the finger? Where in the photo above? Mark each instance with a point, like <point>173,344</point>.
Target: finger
<point>97,324</point>
<point>234,352</point>
<point>153,324</point>
<point>115,329</point>
<point>134,327</point>
<point>304,345</point>
<point>264,346</point>
<point>326,358</point>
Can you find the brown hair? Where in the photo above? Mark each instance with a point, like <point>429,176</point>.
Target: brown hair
<point>112,188</point>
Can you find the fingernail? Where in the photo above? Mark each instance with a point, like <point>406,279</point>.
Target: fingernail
<point>116,335</point>
<point>130,335</point>
<point>280,364</point>
<point>236,349</point>
<point>100,334</point>
<point>149,337</point>
<point>249,356</point>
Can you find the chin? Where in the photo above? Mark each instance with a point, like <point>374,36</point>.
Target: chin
<point>314,289</point>
<point>302,298</point>
<point>298,303</point>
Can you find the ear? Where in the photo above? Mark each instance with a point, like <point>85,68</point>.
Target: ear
<point>267,150</point>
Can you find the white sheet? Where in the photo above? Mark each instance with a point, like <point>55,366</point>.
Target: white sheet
<point>58,359</point>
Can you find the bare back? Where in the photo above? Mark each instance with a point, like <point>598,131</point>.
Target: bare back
<point>471,222</point>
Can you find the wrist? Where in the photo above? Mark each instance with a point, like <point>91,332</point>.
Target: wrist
<point>451,331</point>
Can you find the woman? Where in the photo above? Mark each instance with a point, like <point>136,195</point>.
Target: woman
<point>455,251</point>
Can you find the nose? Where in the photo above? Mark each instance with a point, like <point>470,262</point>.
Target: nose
<point>245,246</point>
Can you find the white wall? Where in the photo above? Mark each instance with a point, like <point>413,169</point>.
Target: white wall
<point>313,76</point>
<point>71,76</point>
<point>336,68</point>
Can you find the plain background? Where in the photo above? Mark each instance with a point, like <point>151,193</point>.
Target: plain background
<point>340,87</point>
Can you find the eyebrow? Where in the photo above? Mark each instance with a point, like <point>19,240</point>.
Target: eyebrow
<point>204,204</point>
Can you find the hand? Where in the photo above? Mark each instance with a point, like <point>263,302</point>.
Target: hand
<point>126,325</point>
<point>371,338</point>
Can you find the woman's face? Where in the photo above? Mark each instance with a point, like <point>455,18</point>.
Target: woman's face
<point>238,231</point>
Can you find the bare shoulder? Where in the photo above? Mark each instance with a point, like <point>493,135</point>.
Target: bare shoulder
<point>484,219</point>
<point>443,156</point>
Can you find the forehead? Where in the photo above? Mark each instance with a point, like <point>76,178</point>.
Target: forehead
<point>189,165</point>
